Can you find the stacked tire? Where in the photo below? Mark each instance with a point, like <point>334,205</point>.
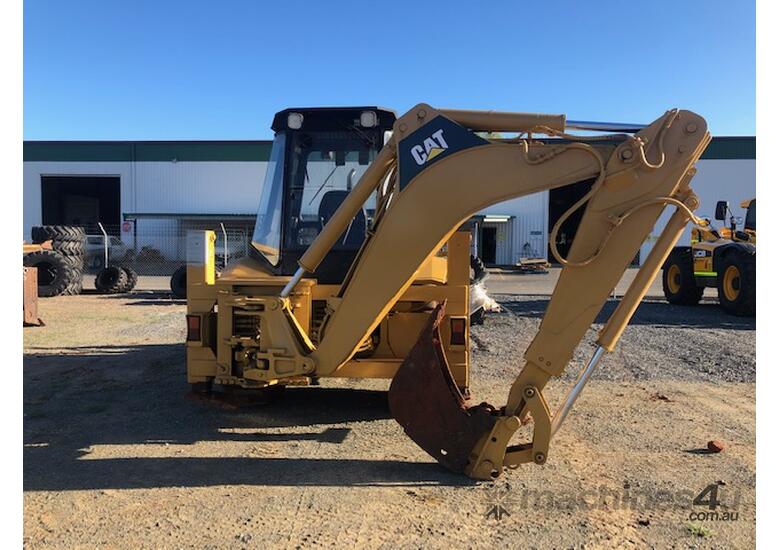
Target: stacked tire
<point>61,269</point>
<point>116,279</point>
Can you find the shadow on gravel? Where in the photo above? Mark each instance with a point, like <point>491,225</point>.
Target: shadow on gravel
<point>705,315</point>
<point>703,451</point>
<point>150,473</point>
<point>136,395</point>
<point>148,298</point>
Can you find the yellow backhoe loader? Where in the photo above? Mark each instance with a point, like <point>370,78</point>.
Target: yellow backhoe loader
<point>360,267</point>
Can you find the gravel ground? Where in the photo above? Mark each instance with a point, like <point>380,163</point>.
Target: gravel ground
<point>117,456</point>
<point>662,341</point>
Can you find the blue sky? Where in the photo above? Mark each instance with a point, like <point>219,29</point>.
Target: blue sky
<point>219,70</point>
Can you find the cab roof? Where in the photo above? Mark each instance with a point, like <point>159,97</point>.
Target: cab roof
<point>330,118</point>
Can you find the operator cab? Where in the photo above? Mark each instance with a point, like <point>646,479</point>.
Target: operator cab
<point>318,156</point>
<point>750,216</point>
<point>723,213</point>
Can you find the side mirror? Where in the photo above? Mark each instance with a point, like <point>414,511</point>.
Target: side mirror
<point>721,209</point>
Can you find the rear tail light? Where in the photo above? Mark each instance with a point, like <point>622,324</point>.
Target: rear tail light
<point>457,331</point>
<point>193,328</point>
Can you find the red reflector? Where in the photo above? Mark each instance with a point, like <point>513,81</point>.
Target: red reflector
<point>457,331</point>
<point>193,328</point>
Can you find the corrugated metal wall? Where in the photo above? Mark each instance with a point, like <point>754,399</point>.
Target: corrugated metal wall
<point>504,241</point>
<point>197,187</point>
<point>202,187</point>
<point>528,237</point>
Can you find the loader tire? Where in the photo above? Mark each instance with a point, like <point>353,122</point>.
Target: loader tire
<point>111,280</point>
<point>54,272</point>
<point>679,284</point>
<point>76,262</point>
<point>75,287</point>
<point>179,282</point>
<point>132,278</point>
<point>69,248</point>
<point>737,284</point>
<point>56,233</point>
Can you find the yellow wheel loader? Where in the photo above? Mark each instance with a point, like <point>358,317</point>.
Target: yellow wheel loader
<point>724,259</point>
<point>360,266</point>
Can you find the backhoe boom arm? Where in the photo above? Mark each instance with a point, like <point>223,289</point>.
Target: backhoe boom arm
<point>469,174</point>
<point>436,173</point>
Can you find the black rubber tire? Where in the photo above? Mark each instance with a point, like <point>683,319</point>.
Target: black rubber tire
<point>54,272</point>
<point>132,278</point>
<point>744,304</point>
<point>59,233</point>
<point>687,293</point>
<point>74,288</point>
<point>69,248</point>
<point>111,280</point>
<point>76,262</point>
<point>179,282</point>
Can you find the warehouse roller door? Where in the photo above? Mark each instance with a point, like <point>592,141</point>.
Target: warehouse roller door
<point>81,200</point>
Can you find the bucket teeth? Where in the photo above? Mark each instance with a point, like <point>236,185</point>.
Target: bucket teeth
<point>426,402</point>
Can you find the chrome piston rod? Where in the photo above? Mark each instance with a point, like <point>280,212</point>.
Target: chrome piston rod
<point>564,409</point>
<point>288,288</point>
<point>604,126</point>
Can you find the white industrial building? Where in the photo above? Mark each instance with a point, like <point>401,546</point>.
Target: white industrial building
<point>147,193</point>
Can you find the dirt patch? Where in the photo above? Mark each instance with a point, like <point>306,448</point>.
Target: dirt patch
<point>116,455</point>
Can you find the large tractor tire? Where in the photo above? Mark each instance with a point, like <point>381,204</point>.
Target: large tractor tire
<point>132,278</point>
<point>179,282</point>
<point>69,248</point>
<point>111,280</point>
<point>737,284</point>
<point>57,233</point>
<point>55,274</point>
<point>679,284</point>
<point>74,288</point>
<point>77,262</point>
<point>67,241</point>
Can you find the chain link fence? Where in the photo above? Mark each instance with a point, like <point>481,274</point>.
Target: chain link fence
<point>156,247</point>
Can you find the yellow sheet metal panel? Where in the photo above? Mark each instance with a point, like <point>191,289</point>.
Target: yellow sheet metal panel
<point>200,258</point>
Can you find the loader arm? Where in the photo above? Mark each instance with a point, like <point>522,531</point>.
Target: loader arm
<point>443,173</point>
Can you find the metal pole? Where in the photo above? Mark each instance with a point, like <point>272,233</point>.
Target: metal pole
<point>564,409</point>
<point>294,281</point>
<point>224,247</point>
<point>105,245</point>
